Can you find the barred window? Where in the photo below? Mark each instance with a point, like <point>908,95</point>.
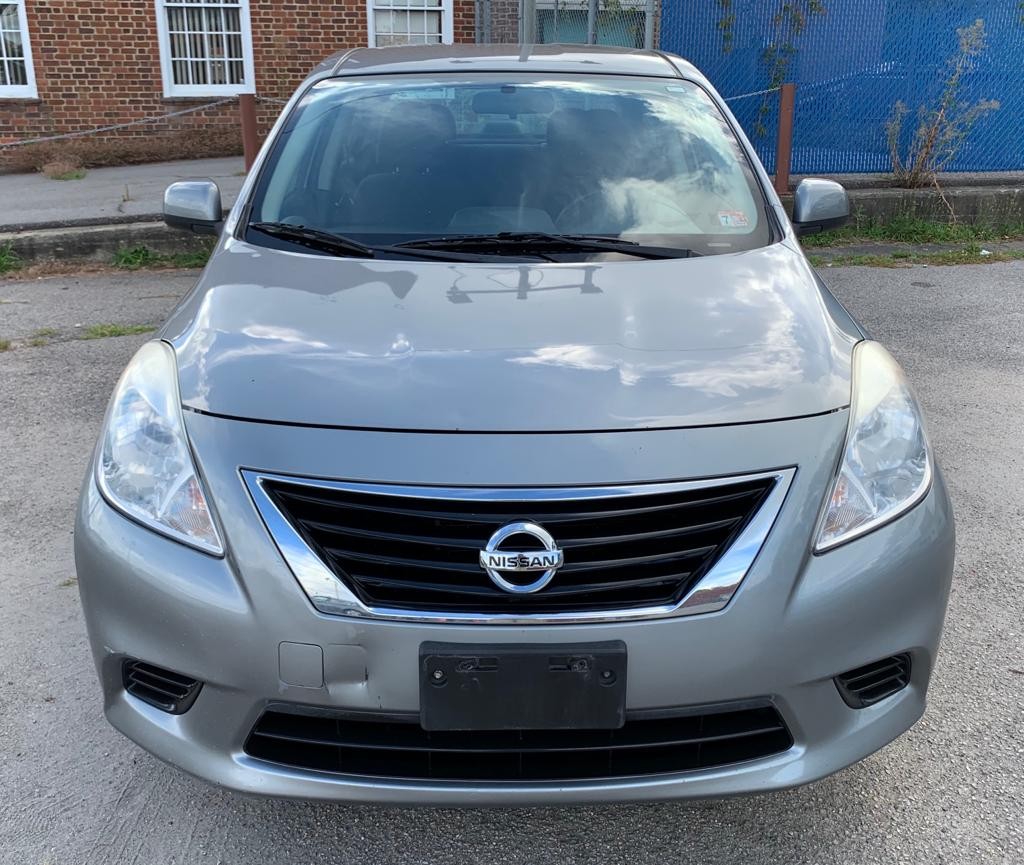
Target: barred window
<point>205,47</point>
<point>409,22</point>
<point>16,75</point>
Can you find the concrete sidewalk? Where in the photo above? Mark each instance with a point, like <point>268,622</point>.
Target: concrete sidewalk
<point>134,193</point>
<point>105,196</point>
<point>119,208</point>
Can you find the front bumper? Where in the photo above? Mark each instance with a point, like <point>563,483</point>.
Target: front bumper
<point>796,622</point>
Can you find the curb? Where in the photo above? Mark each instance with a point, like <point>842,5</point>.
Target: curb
<point>127,219</point>
<point>98,242</point>
<point>973,205</point>
<point>950,179</point>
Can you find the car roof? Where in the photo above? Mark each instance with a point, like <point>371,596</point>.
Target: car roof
<point>594,59</point>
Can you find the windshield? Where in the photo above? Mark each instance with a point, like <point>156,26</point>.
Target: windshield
<point>389,160</point>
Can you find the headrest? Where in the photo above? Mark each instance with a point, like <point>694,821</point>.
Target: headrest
<point>411,131</point>
<point>587,140</point>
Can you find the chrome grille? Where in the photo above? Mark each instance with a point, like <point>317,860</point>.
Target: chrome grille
<point>623,549</point>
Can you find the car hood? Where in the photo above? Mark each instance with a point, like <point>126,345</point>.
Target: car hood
<point>423,345</point>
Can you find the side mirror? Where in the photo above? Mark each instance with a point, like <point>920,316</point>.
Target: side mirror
<point>193,205</point>
<point>819,205</point>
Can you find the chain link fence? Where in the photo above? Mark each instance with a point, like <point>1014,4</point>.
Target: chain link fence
<point>852,62</point>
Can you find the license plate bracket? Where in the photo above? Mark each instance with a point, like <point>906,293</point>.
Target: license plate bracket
<point>523,686</point>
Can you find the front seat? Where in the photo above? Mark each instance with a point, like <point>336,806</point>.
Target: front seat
<point>584,151</point>
<point>407,193</point>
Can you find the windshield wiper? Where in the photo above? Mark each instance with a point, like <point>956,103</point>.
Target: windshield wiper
<point>529,241</point>
<point>314,238</point>
<point>338,244</point>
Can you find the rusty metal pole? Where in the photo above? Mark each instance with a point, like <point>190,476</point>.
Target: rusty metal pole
<point>250,135</point>
<point>592,11</point>
<point>784,145</point>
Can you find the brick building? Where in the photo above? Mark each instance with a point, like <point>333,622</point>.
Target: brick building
<point>71,65</point>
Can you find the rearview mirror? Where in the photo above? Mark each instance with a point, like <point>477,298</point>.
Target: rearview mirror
<point>193,205</point>
<point>819,205</point>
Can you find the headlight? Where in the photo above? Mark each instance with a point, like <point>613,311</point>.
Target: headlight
<point>145,467</point>
<point>886,467</point>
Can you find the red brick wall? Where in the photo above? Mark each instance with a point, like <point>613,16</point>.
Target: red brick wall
<point>98,63</point>
<point>504,21</point>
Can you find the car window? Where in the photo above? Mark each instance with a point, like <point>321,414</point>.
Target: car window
<point>396,158</point>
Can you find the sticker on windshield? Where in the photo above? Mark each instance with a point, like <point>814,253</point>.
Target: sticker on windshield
<point>732,219</point>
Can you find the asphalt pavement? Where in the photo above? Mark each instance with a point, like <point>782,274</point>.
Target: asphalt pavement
<point>72,791</point>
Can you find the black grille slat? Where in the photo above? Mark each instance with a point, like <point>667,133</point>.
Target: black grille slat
<point>465,556</point>
<point>401,561</point>
<point>479,513</point>
<point>520,749</point>
<point>152,696</point>
<point>412,586</point>
<point>569,569</point>
<point>862,681</point>
<point>616,585</point>
<point>165,689</point>
<point>345,531</point>
<point>172,695</point>
<point>635,561</point>
<point>374,747</point>
<point>874,682</point>
<point>422,553</point>
<point>179,685</point>
<point>883,689</point>
<point>675,532</point>
<point>485,591</point>
<point>565,543</point>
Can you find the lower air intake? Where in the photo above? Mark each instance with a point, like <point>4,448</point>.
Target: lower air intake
<point>169,691</point>
<point>873,682</point>
<point>382,747</point>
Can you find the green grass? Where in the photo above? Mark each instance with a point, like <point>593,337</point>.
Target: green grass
<point>139,257</point>
<point>68,583</point>
<point>102,331</point>
<point>967,255</point>
<point>8,258</point>
<point>42,336</point>
<point>908,229</point>
<point>5,344</point>
<point>189,259</point>
<point>72,174</point>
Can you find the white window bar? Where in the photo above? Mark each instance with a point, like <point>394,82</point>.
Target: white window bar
<point>205,47</point>
<point>17,77</point>
<point>409,22</point>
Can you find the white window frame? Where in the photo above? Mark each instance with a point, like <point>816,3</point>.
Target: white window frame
<point>447,10</point>
<point>27,90</point>
<point>173,90</point>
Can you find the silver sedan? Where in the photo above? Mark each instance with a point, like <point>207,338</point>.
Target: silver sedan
<point>509,451</point>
